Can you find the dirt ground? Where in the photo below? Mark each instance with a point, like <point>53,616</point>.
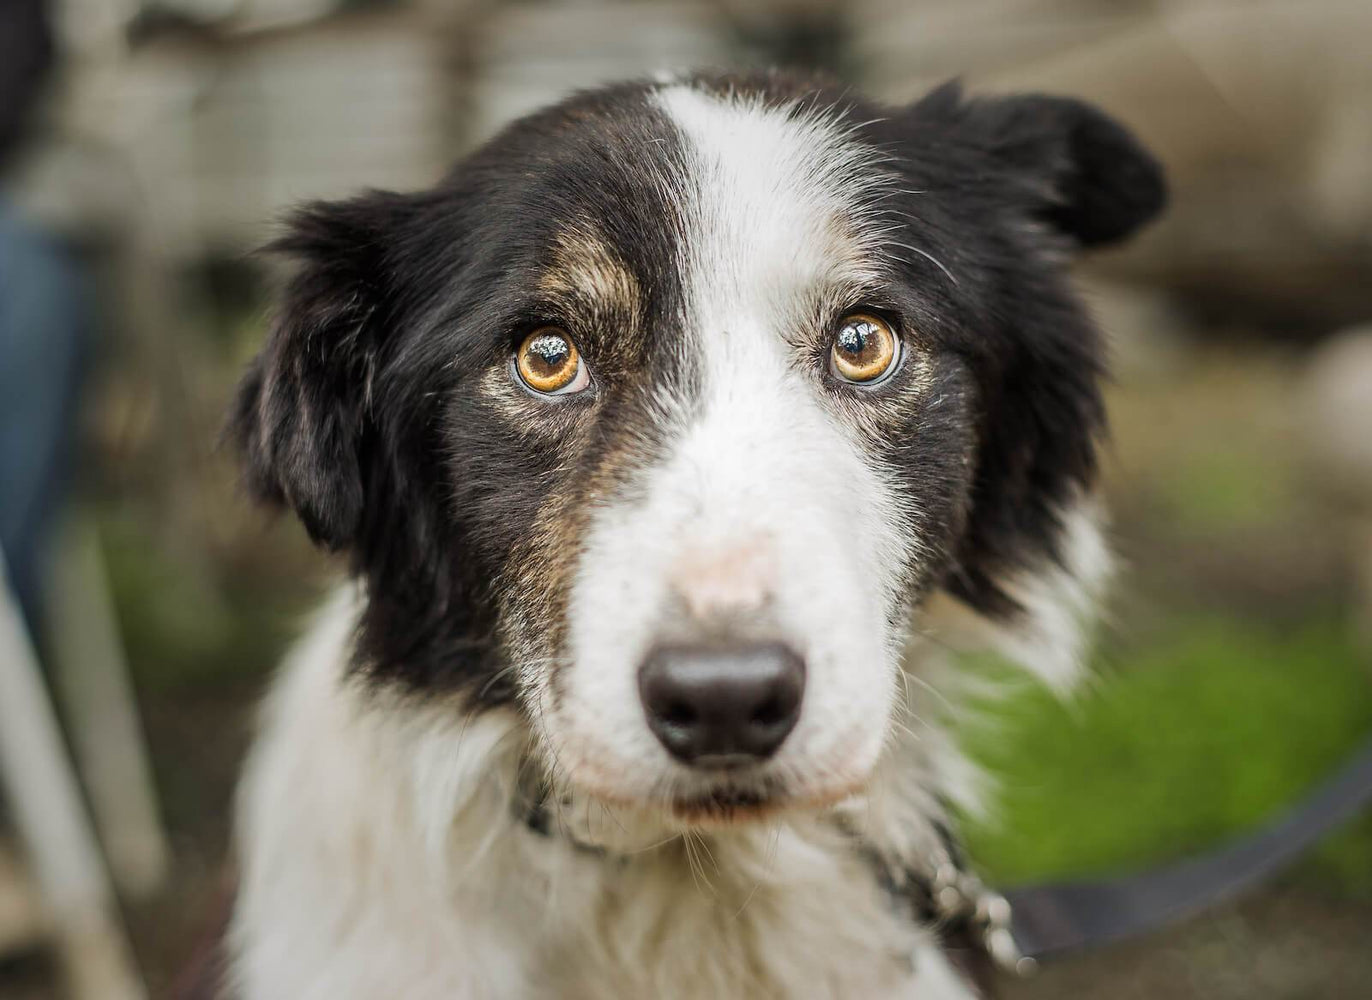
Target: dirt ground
<point>1288,943</point>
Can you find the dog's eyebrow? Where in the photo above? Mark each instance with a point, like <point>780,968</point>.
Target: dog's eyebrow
<point>814,303</point>
<point>586,270</point>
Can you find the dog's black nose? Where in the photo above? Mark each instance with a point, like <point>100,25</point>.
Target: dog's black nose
<point>717,706</point>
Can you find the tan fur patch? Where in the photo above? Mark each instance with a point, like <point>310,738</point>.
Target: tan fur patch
<point>602,304</point>
<point>587,271</point>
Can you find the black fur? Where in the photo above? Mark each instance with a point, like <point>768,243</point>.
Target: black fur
<point>1010,186</point>
<point>362,414</point>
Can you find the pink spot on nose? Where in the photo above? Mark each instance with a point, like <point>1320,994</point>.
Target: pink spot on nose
<point>725,581</point>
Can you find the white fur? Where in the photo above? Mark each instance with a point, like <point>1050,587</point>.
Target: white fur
<point>1060,603</point>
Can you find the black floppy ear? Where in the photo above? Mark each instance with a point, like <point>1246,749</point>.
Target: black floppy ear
<point>1082,172</point>
<point>1082,180</point>
<point>302,417</point>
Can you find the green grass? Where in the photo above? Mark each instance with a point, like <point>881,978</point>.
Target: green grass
<point>186,626</point>
<point>1196,738</point>
<point>1221,490</point>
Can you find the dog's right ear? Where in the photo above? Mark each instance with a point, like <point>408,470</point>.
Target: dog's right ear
<point>304,414</point>
<point>1064,162</point>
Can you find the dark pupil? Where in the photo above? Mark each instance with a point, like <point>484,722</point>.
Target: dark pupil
<point>854,339</point>
<point>549,352</point>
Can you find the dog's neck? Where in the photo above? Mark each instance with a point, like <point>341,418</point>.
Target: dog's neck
<point>934,884</point>
<point>938,890</point>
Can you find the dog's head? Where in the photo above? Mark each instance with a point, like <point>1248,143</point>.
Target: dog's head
<point>660,416</point>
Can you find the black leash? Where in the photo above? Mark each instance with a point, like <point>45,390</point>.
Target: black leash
<point>1061,918</point>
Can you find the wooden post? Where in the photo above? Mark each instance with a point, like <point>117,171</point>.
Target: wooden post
<point>92,678</point>
<point>51,820</point>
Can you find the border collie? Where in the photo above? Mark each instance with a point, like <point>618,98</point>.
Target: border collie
<point>661,435</point>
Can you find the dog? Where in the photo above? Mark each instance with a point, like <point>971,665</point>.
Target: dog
<point>670,439</point>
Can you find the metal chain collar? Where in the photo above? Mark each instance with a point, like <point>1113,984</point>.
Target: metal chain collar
<point>957,896</point>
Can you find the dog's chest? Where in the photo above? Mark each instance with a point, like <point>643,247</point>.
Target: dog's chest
<point>711,920</point>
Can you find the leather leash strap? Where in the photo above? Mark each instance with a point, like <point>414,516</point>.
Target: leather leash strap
<point>1054,919</point>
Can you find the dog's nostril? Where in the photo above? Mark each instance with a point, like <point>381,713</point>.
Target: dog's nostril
<point>678,713</point>
<point>770,712</point>
<point>715,705</point>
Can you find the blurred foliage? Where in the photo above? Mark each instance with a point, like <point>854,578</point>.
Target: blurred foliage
<point>188,624</point>
<point>1230,682</point>
<point>1188,740</point>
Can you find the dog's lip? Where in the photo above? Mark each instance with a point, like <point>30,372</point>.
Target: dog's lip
<point>732,807</point>
<point>724,800</point>
<point>726,762</point>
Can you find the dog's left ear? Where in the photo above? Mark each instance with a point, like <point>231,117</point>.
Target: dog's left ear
<point>1031,556</point>
<point>304,414</point>
<point>1075,167</point>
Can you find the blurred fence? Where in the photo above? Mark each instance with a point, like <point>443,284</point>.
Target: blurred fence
<point>179,131</point>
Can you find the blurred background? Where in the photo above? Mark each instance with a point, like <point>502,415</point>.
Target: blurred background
<point>152,153</point>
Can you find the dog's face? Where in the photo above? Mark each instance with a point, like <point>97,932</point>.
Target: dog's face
<point>659,416</point>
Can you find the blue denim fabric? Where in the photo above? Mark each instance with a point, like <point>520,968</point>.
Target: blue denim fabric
<point>44,320</point>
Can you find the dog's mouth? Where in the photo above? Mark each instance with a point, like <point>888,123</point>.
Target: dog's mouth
<point>717,796</point>
<point>727,806</point>
<point>703,803</point>
<point>729,801</point>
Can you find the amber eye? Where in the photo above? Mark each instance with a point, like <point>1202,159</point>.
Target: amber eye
<point>865,349</point>
<point>548,362</point>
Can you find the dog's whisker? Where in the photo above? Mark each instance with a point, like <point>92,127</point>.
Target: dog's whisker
<point>757,883</point>
<point>905,683</point>
<point>648,848</point>
<point>927,256</point>
<point>943,699</point>
<point>705,847</point>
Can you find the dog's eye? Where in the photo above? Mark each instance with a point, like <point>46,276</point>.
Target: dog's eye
<point>549,363</point>
<point>865,349</point>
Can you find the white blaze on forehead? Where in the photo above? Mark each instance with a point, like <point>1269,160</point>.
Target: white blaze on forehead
<point>765,503</point>
<point>776,234</point>
<point>776,200</point>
